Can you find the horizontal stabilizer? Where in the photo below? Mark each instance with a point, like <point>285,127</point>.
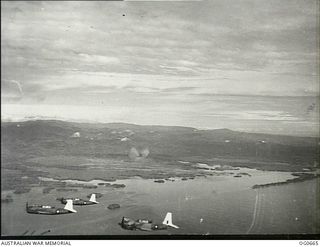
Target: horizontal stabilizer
<point>174,226</point>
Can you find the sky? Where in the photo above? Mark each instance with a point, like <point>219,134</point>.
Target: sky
<point>249,65</point>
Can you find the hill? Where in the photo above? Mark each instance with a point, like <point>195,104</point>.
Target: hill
<point>54,137</point>
<point>51,148</point>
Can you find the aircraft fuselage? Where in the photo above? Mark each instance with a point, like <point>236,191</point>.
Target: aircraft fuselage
<point>46,210</point>
<point>77,201</point>
<point>142,225</point>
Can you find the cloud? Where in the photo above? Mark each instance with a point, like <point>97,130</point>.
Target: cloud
<point>172,53</point>
<point>142,40</point>
<point>257,115</point>
<point>178,89</point>
<point>97,59</point>
<point>138,89</point>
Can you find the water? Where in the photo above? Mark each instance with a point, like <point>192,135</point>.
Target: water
<point>212,205</point>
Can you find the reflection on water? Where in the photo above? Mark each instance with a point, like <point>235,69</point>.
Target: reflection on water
<point>212,205</point>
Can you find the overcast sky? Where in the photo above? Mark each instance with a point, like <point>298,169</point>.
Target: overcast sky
<point>124,59</point>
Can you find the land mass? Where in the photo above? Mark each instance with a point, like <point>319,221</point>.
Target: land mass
<point>299,177</point>
<point>66,150</point>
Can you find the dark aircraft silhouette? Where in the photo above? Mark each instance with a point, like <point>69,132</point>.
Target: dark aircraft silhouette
<point>50,210</point>
<point>147,225</point>
<point>80,202</point>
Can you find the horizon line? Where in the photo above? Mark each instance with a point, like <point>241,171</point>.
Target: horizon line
<point>150,125</point>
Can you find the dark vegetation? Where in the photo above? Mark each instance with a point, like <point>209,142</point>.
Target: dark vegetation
<point>66,189</point>
<point>113,206</point>
<point>21,190</point>
<point>47,190</point>
<point>159,181</point>
<point>244,174</point>
<point>89,186</point>
<point>115,185</point>
<point>7,199</point>
<point>98,195</point>
<point>34,149</point>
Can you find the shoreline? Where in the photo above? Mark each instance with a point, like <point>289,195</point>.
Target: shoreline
<point>301,177</point>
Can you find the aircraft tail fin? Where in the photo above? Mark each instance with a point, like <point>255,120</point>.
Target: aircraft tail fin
<point>93,198</point>
<point>69,206</point>
<point>168,220</point>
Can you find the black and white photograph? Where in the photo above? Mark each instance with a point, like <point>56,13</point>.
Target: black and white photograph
<point>160,119</point>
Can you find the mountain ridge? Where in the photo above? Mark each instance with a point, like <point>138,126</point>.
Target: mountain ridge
<point>132,125</point>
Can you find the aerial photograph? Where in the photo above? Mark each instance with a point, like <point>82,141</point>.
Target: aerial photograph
<point>156,119</point>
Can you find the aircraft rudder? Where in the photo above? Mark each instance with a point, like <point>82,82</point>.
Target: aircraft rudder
<point>93,198</point>
<point>168,220</point>
<point>69,206</point>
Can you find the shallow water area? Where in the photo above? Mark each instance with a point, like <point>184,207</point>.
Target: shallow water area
<point>217,204</point>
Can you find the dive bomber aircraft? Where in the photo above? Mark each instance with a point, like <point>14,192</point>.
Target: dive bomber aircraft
<point>50,210</point>
<point>80,202</point>
<point>147,225</point>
